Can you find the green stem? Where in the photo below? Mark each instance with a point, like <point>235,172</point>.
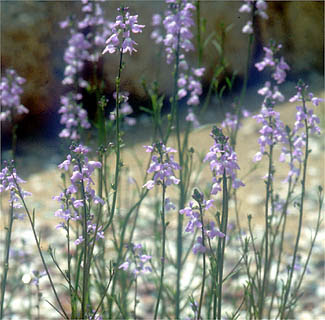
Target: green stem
<point>301,211</point>
<point>266,252</point>
<point>221,253</point>
<point>204,264</point>
<point>6,260</point>
<point>163,255</point>
<point>64,314</point>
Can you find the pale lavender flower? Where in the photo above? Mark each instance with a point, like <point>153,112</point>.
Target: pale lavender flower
<point>279,66</point>
<point>272,131</point>
<point>198,246</point>
<point>10,92</point>
<point>258,8</point>
<point>297,138</point>
<point>10,181</point>
<point>169,205</point>
<point>73,117</point>
<point>137,261</point>
<point>82,170</point>
<point>120,39</point>
<point>162,165</point>
<point>177,23</point>
<point>222,159</point>
<point>125,109</point>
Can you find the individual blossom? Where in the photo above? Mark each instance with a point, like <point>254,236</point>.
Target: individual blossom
<point>120,40</point>
<point>10,93</point>
<point>223,160</point>
<point>162,166</point>
<point>137,260</point>
<point>10,181</point>
<point>258,8</point>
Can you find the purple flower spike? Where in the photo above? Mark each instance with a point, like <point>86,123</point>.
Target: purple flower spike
<point>222,159</point>
<point>10,181</point>
<point>162,165</point>
<point>120,39</point>
<point>10,92</point>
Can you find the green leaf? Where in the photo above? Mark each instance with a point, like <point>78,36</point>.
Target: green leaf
<point>145,110</point>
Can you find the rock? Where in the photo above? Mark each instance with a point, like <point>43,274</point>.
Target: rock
<point>33,44</point>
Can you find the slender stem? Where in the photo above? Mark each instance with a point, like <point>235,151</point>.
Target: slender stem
<point>14,140</point>
<point>135,298</point>
<point>85,278</point>
<point>301,211</point>
<point>221,254</point>
<point>266,252</point>
<point>117,138</point>
<point>163,255</point>
<point>40,250</point>
<point>6,260</point>
<point>204,264</point>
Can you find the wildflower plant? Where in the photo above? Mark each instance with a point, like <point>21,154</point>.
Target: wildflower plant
<point>167,249</point>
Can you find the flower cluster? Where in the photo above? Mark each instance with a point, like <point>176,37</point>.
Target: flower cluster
<point>10,92</point>
<point>136,261</point>
<point>176,36</point>
<point>231,120</point>
<point>81,183</point>
<point>120,39</point>
<point>273,130</point>
<point>297,138</point>
<point>157,34</point>
<point>125,109</point>
<point>190,84</point>
<point>162,165</point>
<point>258,8</point>
<point>85,44</point>
<point>87,40</point>
<point>223,159</point>
<point>194,223</point>
<point>73,116</point>
<point>279,66</point>
<point>177,23</point>
<point>9,181</point>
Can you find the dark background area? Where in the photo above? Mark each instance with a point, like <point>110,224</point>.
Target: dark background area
<point>33,44</point>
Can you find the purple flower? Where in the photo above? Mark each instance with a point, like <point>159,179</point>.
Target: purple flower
<point>279,66</point>
<point>73,117</point>
<point>137,261</point>
<point>162,165</point>
<point>10,181</point>
<point>120,39</point>
<point>10,92</point>
<point>222,160</point>
<point>82,170</point>
<point>297,138</point>
<point>198,246</point>
<point>259,8</point>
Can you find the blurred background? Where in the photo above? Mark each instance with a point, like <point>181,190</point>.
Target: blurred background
<point>33,44</point>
